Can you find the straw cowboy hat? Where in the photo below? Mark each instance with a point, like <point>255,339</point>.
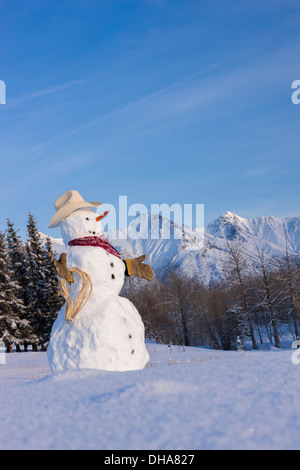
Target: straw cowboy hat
<point>68,203</point>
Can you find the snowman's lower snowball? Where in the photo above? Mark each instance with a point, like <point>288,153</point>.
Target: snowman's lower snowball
<point>110,339</point>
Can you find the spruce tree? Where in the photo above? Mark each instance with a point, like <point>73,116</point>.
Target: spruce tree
<point>54,300</point>
<point>13,326</point>
<point>17,258</point>
<point>35,278</point>
<point>237,325</point>
<point>43,287</point>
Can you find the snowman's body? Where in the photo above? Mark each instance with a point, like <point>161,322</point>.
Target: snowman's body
<point>108,333</point>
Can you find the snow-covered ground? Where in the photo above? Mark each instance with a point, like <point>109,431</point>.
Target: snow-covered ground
<point>183,400</point>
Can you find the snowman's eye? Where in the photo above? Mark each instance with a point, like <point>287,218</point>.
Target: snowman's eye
<point>87,218</point>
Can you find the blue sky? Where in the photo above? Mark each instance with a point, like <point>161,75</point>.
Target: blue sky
<point>164,101</point>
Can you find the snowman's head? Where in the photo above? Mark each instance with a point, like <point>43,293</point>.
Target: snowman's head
<point>81,223</point>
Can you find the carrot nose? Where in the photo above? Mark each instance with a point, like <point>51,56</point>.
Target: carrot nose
<point>101,216</point>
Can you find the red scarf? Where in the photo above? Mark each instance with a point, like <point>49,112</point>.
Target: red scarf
<point>102,242</point>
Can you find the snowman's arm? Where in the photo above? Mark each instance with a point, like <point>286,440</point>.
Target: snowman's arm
<point>61,268</point>
<point>136,267</point>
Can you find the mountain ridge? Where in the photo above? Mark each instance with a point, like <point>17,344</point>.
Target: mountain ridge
<point>202,255</point>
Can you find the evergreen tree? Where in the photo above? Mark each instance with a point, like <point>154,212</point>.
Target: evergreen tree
<point>237,326</point>
<point>54,300</point>
<point>13,326</point>
<point>16,252</point>
<point>18,262</point>
<point>35,277</point>
<point>43,286</point>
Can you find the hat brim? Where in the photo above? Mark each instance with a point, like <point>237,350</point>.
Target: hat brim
<point>68,209</point>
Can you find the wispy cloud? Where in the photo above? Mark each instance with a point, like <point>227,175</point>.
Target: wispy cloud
<point>210,92</point>
<point>51,90</point>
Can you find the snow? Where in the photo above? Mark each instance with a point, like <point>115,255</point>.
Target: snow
<point>187,399</point>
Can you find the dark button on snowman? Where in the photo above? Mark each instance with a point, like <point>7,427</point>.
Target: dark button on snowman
<point>108,332</point>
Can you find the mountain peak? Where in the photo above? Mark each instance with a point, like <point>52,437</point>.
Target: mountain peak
<point>231,215</point>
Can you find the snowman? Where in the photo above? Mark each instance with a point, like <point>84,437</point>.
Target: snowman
<point>107,332</point>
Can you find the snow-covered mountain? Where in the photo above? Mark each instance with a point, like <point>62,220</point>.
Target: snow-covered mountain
<point>206,258</point>
<point>272,234</point>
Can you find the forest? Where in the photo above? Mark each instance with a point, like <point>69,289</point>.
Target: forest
<point>30,296</point>
<point>252,308</point>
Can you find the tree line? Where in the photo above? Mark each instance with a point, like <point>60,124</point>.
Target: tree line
<point>257,306</point>
<point>29,289</point>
